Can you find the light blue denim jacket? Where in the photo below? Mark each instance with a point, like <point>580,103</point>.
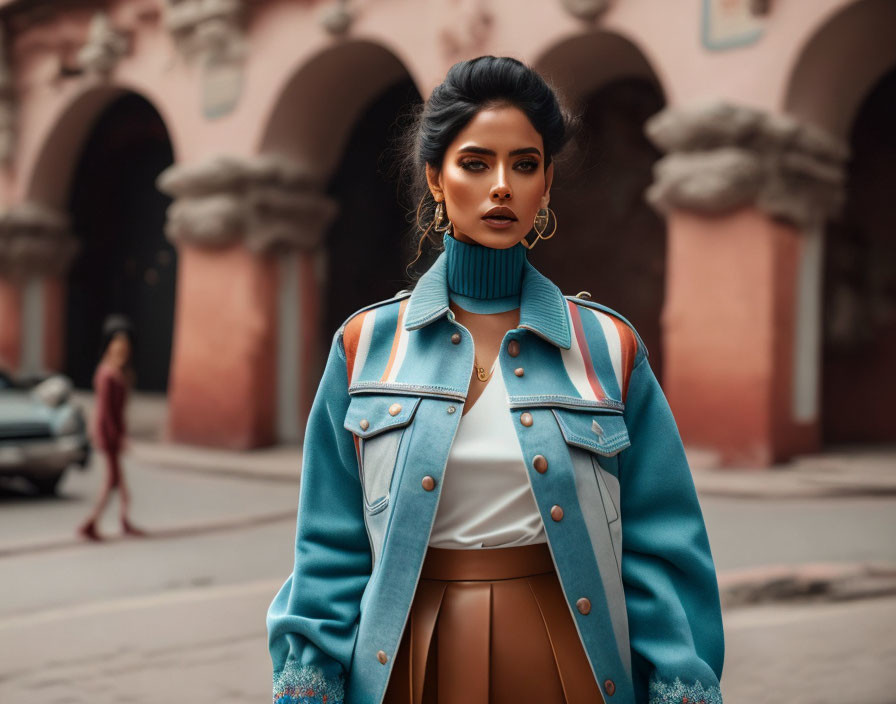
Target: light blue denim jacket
<point>631,539</point>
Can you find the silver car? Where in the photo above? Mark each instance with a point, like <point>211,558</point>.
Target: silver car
<point>42,432</point>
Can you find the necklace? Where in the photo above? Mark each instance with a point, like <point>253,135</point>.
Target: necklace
<point>480,370</point>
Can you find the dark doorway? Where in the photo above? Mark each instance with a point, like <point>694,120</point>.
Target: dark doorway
<point>609,241</point>
<point>125,265</point>
<point>859,309</point>
<point>367,247</point>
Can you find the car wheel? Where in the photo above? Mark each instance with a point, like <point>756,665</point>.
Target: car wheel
<point>46,486</point>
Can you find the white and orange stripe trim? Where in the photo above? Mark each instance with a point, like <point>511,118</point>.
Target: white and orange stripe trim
<point>577,360</point>
<point>621,345</point>
<point>357,338</point>
<point>399,346</point>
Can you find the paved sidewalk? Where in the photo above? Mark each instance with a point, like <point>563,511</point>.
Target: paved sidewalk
<point>277,463</point>
<point>848,472</point>
<point>844,473</point>
<point>824,476</point>
<point>856,471</point>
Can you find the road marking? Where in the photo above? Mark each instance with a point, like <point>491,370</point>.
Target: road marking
<point>267,587</point>
<point>180,531</point>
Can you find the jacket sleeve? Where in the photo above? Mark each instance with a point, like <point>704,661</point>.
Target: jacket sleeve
<point>671,590</point>
<point>312,621</point>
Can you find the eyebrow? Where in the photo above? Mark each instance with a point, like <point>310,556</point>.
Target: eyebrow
<point>482,150</point>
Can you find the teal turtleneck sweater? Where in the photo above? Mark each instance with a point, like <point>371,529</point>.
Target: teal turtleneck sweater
<point>482,279</point>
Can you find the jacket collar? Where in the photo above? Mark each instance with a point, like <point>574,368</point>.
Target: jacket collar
<point>542,305</point>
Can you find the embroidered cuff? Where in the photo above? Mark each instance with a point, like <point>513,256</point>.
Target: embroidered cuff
<point>307,684</point>
<point>677,692</point>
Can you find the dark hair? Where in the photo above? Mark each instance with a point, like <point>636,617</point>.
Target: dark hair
<point>469,87</point>
<point>114,324</point>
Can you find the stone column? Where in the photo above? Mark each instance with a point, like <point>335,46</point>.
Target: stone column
<point>243,228</point>
<point>36,250</point>
<point>745,195</point>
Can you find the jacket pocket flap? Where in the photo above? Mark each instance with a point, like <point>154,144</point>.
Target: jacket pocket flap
<point>603,433</point>
<point>370,414</point>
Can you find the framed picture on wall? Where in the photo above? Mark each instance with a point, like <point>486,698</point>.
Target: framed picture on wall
<point>731,23</point>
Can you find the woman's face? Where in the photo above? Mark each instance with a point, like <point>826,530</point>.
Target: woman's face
<point>119,349</point>
<point>495,162</point>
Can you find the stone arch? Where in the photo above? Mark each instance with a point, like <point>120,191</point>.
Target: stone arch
<point>314,113</point>
<point>844,80</point>
<point>619,241</point>
<point>45,172</point>
<point>334,118</point>
<point>96,170</point>
<point>838,65</point>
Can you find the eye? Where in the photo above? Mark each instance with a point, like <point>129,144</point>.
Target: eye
<point>528,165</point>
<point>471,163</point>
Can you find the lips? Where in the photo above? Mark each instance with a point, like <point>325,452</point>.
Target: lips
<point>500,214</point>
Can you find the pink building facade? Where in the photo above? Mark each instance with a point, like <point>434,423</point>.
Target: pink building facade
<point>215,169</point>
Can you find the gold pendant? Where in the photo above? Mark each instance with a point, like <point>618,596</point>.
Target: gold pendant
<point>480,372</point>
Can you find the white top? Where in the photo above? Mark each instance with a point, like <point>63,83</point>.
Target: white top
<point>486,499</point>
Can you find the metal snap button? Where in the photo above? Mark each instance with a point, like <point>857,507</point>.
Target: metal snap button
<point>455,338</point>
<point>556,513</point>
<point>451,409</point>
<point>526,419</point>
<point>513,348</point>
<point>540,464</point>
<point>364,424</point>
<point>610,687</point>
<point>583,605</point>
<point>428,483</point>
<point>381,656</point>
<point>394,409</point>
<point>518,371</point>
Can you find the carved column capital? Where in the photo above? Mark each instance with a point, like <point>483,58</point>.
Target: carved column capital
<point>35,241</point>
<point>720,157</point>
<point>337,17</point>
<point>466,26</point>
<point>208,28</point>
<point>268,202</point>
<point>214,33</point>
<point>586,10</point>
<point>104,48</point>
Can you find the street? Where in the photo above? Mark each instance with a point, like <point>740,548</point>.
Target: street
<point>179,616</point>
<point>176,617</point>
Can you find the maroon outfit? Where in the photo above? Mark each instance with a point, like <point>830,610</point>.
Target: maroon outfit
<point>108,428</point>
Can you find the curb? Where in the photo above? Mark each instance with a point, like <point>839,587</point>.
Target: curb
<point>829,582</point>
<point>832,474</point>
<point>750,484</point>
<point>280,463</point>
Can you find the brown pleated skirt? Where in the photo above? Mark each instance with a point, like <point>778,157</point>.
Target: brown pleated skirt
<point>490,626</point>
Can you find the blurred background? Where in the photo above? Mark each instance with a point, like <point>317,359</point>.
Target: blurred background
<point>222,173</point>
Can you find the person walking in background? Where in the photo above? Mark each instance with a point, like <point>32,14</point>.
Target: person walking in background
<point>113,377</point>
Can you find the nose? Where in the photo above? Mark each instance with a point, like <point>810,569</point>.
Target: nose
<point>500,193</point>
<point>501,189</point>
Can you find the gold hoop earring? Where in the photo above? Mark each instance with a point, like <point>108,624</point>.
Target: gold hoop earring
<point>439,216</point>
<point>540,225</point>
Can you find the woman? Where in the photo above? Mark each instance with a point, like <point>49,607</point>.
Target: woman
<point>525,532</point>
<point>111,380</point>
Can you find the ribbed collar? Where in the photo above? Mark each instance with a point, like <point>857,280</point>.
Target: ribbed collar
<point>477,271</point>
<point>542,305</point>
